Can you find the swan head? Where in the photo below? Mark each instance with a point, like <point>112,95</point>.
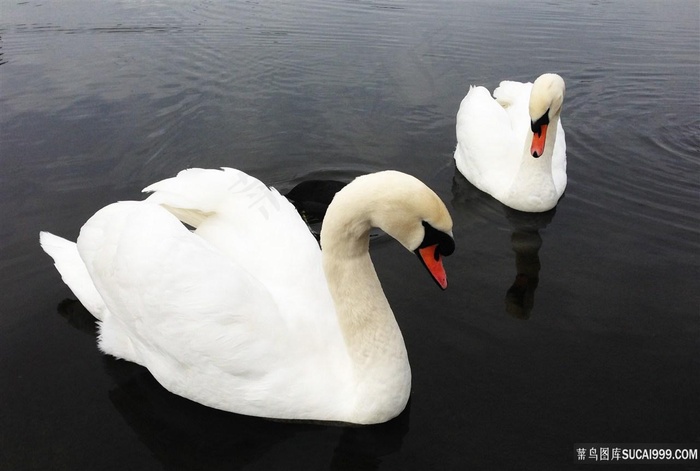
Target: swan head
<point>546,99</point>
<point>400,205</point>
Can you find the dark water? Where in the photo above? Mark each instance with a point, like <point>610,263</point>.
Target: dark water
<point>581,325</point>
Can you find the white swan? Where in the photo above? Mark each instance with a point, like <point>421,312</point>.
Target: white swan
<point>513,147</point>
<point>246,314</point>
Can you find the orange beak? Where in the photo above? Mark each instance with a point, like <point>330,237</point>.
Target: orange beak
<point>538,138</point>
<point>432,260</point>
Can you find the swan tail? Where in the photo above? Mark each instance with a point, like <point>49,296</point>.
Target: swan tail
<point>73,272</point>
<point>114,340</point>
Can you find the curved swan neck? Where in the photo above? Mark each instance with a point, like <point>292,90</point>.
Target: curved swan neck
<point>373,339</point>
<point>359,299</point>
<point>399,204</point>
<point>357,293</point>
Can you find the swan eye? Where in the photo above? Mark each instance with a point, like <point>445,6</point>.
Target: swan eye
<point>445,244</point>
<point>536,126</point>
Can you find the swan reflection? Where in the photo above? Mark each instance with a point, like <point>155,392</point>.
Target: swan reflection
<point>311,199</point>
<point>525,240</point>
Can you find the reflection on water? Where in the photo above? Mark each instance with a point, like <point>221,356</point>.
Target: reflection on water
<point>525,239</point>
<point>311,199</point>
<point>184,435</point>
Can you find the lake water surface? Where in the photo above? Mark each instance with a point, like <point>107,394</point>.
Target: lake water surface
<point>577,326</point>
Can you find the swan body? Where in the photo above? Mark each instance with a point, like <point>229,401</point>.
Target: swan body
<point>513,147</point>
<point>246,313</point>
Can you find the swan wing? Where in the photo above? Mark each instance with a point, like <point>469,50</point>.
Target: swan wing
<point>559,161</point>
<point>256,227</point>
<point>203,326</point>
<point>484,151</point>
<point>514,98</point>
<point>510,93</point>
<point>236,315</point>
<point>247,289</point>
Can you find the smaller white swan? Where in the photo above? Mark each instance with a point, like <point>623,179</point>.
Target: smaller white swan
<point>513,147</point>
<point>247,314</point>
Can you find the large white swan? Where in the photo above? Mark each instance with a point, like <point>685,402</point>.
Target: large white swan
<point>513,147</point>
<point>247,314</point>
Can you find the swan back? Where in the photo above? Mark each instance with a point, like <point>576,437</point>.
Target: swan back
<point>249,222</point>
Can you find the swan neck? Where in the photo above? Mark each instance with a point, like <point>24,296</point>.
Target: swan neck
<point>373,340</point>
<point>361,306</point>
<point>352,280</point>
